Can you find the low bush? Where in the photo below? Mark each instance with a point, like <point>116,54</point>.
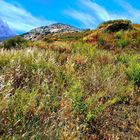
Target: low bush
<point>133,73</point>
<point>15,42</point>
<point>121,43</point>
<point>118,35</point>
<point>124,58</point>
<point>102,41</point>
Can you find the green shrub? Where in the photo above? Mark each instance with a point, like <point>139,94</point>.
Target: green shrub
<point>133,73</point>
<point>118,35</point>
<point>125,58</point>
<point>102,41</point>
<point>15,42</point>
<point>121,43</point>
<point>138,40</point>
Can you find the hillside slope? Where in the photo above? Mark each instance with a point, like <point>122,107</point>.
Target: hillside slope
<point>72,86</point>
<point>116,34</point>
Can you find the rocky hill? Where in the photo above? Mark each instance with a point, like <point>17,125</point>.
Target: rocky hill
<point>52,29</point>
<point>5,31</point>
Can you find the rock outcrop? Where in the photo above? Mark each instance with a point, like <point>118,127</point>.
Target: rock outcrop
<point>53,29</point>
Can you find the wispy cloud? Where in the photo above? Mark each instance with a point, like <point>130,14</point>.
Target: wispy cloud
<point>99,13</point>
<point>86,19</point>
<point>134,13</point>
<point>18,18</point>
<point>99,10</point>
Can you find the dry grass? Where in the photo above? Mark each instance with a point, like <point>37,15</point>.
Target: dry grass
<point>69,90</point>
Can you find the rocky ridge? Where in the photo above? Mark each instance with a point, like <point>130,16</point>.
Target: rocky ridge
<point>52,29</point>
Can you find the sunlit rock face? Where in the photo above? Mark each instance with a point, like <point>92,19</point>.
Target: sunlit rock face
<point>57,28</point>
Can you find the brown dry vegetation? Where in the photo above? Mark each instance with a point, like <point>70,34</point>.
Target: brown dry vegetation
<point>72,89</point>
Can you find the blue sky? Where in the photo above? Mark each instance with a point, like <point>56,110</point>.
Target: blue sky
<point>24,15</point>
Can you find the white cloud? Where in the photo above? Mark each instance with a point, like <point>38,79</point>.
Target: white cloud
<point>99,10</point>
<point>93,11</point>
<point>18,18</point>
<point>134,14</point>
<point>89,14</point>
<point>86,19</point>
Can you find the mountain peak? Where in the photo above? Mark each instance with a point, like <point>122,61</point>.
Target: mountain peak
<point>56,28</point>
<point>5,31</point>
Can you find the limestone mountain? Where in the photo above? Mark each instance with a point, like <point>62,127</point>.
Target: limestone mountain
<point>53,29</point>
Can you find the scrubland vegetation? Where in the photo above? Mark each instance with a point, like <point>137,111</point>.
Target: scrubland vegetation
<point>71,88</point>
